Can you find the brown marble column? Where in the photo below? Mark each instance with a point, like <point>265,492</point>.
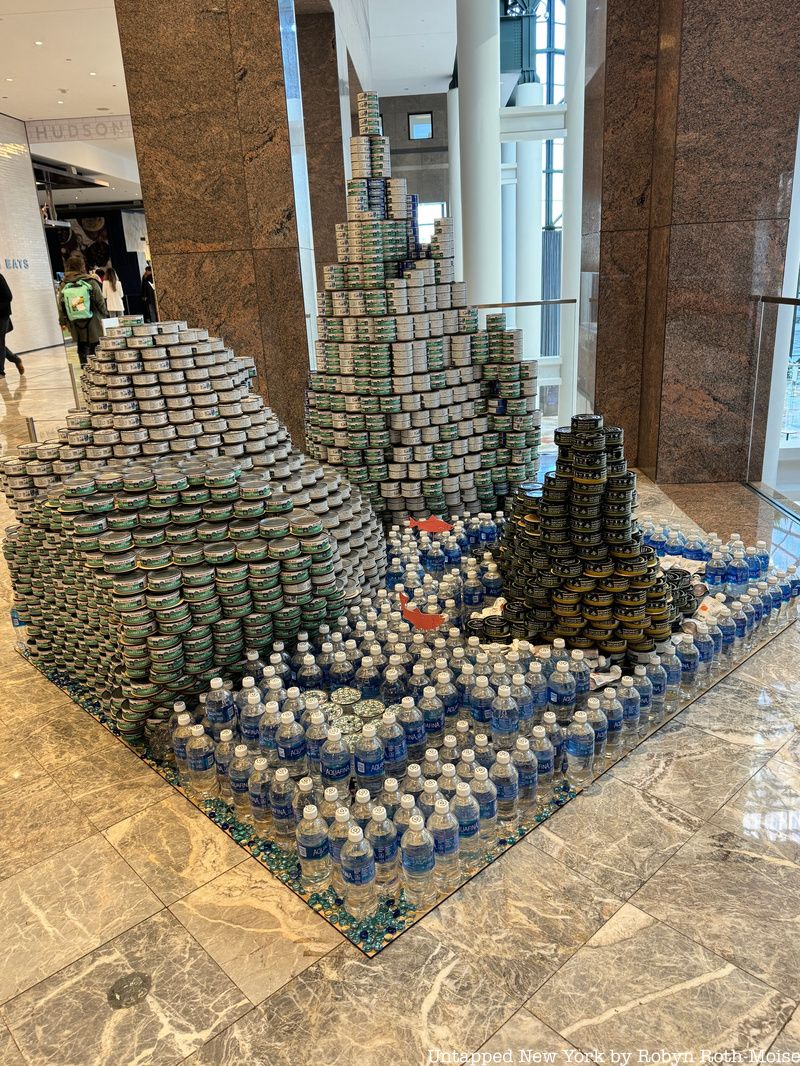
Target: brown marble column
<point>208,104</point>
<point>700,105</point>
<point>319,78</point>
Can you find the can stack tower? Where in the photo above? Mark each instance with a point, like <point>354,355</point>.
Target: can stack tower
<point>423,410</point>
<point>573,560</point>
<point>171,525</point>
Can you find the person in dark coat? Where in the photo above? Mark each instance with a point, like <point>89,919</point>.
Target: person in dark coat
<point>5,328</point>
<point>149,296</point>
<point>86,331</point>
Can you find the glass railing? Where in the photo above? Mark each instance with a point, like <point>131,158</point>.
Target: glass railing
<point>773,466</point>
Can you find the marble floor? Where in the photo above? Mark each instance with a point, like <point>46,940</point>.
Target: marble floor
<point>656,915</point>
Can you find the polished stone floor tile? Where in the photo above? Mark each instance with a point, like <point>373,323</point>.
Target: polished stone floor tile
<point>767,810</point>
<point>64,733</point>
<point>522,917</point>
<point>522,1035</point>
<point>615,834</point>
<point>58,910</point>
<point>740,712</point>
<point>775,666</point>
<point>790,752</point>
<point>416,998</point>
<point>10,1055</point>
<point>37,820</point>
<point>690,768</point>
<point>259,932</point>
<point>174,848</point>
<point>789,1040</point>
<point>111,784</point>
<point>17,765</point>
<point>180,1000</point>
<point>640,985</point>
<point>736,898</point>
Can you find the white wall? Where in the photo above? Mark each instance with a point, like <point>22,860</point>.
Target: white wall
<point>23,250</point>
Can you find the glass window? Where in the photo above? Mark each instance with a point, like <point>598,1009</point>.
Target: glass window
<point>426,216</point>
<point>420,126</point>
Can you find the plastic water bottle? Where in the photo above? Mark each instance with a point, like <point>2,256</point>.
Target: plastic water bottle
<point>447,781</point>
<point>526,764</point>
<point>537,683</point>
<point>443,827</point>
<point>410,718</point>
<point>465,768</point>
<point>250,717</point>
<point>705,652</point>
<point>431,764</point>
<point>544,657</point>
<point>448,694</point>
<point>505,779</point>
<point>543,750</point>
<point>631,711</point>
<point>690,662</point>
<point>335,763</point>
<point>738,574</point>
<point>644,687</point>
<point>382,835</point>
<point>258,789</point>
<point>330,804</point>
<point>362,808</point>
<point>393,738</point>
<point>582,674</point>
<point>358,873</point>
<point>432,710</point>
<point>418,862</point>
<point>561,692</point>
<point>240,699</point>
<point>449,750</point>
<point>342,672</point>
<point>281,794</point>
<point>304,794</point>
<point>612,709</point>
<point>337,838</point>
<point>728,629</point>
<point>580,751</point>
<point>405,813</point>
<point>750,625</point>
<point>464,737</point>
<point>414,782</point>
<point>599,723</point>
<point>467,813</point>
<point>220,710</point>
<point>313,850</point>
<point>316,735</point>
<point>473,594</point>
<point>310,675</point>
<point>180,738</point>
<point>239,770</point>
<point>763,558</point>
<point>389,797</point>
<point>716,574</point>
<point>426,801</point>
<point>484,751</point>
<point>556,736</point>
<point>657,676</point>
<point>223,754</point>
<point>200,762</point>
<point>740,624</point>
<point>368,757</point>
<point>267,731</point>
<point>253,666</point>
<point>673,667</point>
<point>716,637</point>
<point>505,720</point>
<point>485,793</point>
<point>481,699</point>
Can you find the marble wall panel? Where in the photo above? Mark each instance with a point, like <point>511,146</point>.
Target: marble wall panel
<point>653,348</point>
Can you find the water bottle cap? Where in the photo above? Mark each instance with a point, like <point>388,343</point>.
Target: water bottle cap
<point>185,718</point>
<point>539,731</point>
<point>503,757</point>
<point>253,696</point>
<point>225,735</point>
<point>577,655</point>
<point>543,653</point>
<point>327,646</point>
<point>248,682</point>
<point>463,790</point>
<point>216,683</point>
<point>562,666</point>
<point>331,793</point>
<point>481,773</point>
<point>441,806</point>
<point>341,815</point>
<point>559,643</point>
<point>275,683</point>
<point>429,692</point>
<point>498,668</point>
<point>504,692</point>
<point>389,718</point>
<point>368,731</point>
<point>535,668</point>
<point>282,774</point>
<point>523,744</point>
<point>310,812</point>
<point>431,786</point>
<point>197,730</point>
<point>390,784</point>
<point>286,717</point>
<point>407,801</point>
<point>308,660</point>
<point>593,702</point>
<point>240,751</point>
<point>362,796</point>
<point>305,784</point>
<point>448,770</point>
<point>655,659</point>
<point>355,834</point>
<point>339,657</point>
<point>407,702</point>
<point>260,763</point>
<point>431,754</point>
<point>334,733</point>
<point>627,681</point>
<point>610,693</point>
<point>736,605</point>
<point>415,822</point>
<point>639,671</point>
<point>580,717</point>
<point>518,679</point>
<point>761,544</point>
<point>414,769</point>
<point>179,706</point>
<point>687,637</point>
<point>482,681</point>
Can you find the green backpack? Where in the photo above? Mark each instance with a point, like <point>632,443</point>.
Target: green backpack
<point>77,296</point>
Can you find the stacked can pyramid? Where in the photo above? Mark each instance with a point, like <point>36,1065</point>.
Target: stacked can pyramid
<point>171,525</point>
<point>573,558</point>
<point>425,411</point>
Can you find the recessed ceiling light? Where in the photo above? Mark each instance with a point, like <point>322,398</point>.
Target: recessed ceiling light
<point>92,73</point>
<point>38,43</point>
<point>59,101</point>
<point>9,79</point>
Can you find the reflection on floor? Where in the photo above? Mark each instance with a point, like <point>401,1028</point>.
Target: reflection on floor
<point>659,910</point>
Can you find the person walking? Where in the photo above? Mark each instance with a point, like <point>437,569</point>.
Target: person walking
<point>5,328</point>
<point>149,296</point>
<point>112,293</point>
<point>81,307</point>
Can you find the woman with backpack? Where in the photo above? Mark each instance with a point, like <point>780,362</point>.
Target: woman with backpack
<point>81,307</point>
<point>112,293</point>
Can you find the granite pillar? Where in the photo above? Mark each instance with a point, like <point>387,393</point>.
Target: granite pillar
<point>208,104</point>
<point>700,105</point>
<point>319,78</point>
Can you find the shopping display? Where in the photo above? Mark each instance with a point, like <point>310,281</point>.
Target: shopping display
<point>424,410</point>
<point>171,525</point>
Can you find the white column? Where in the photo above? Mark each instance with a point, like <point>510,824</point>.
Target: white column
<point>529,227</point>
<point>343,72</point>
<point>509,250</point>
<point>454,180</point>
<point>575,62</point>
<point>479,125</point>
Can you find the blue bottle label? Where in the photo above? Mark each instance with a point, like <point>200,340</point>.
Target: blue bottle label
<point>505,726</point>
<point>370,767</point>
<point>360,874</point>
<point>689,665</point>
<point>336,845</point>
<point>335,766</point>
<point>239,782</point>
<point>645,696</point>
<point>487,805</point>
<point>630,710</point>
<point>418,858</point>
<point>659,683</point>
<point>313,746</point>
<point>581,684</point>
<point>415,732</point>
<point>544,760</point>
<point>481,713</point>
<point>468,827</point>
<point>293,749</point>
<point>266,738</point>
<point>259,798</point>
<point>525,710</point>
<point>600,736</point>
<point>706,650</point>
<point>395,748</point>
<point>507,789</point>
<point>313,851</point>
<point>473,597</point>
<point>615,725</point>
<point>445,841</point>
<point>673,669</point>
<point>281,807</point>
<point>580,747</point>
<point>179,747</point>
<point>562,699</point>
<point>199,761</point>
<point>221,712</point>
<point>528,775</point>
<point>434,721</point>
<point>385,852</point>
<point>222,766</point>
<point>248,727</point>
<point>741,626</point>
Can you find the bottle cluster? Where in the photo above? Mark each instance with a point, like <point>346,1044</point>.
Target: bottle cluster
<point>424,410</point>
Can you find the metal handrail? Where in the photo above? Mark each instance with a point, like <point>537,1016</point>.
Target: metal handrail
<point>786,301</point>
<point>525,303</point>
